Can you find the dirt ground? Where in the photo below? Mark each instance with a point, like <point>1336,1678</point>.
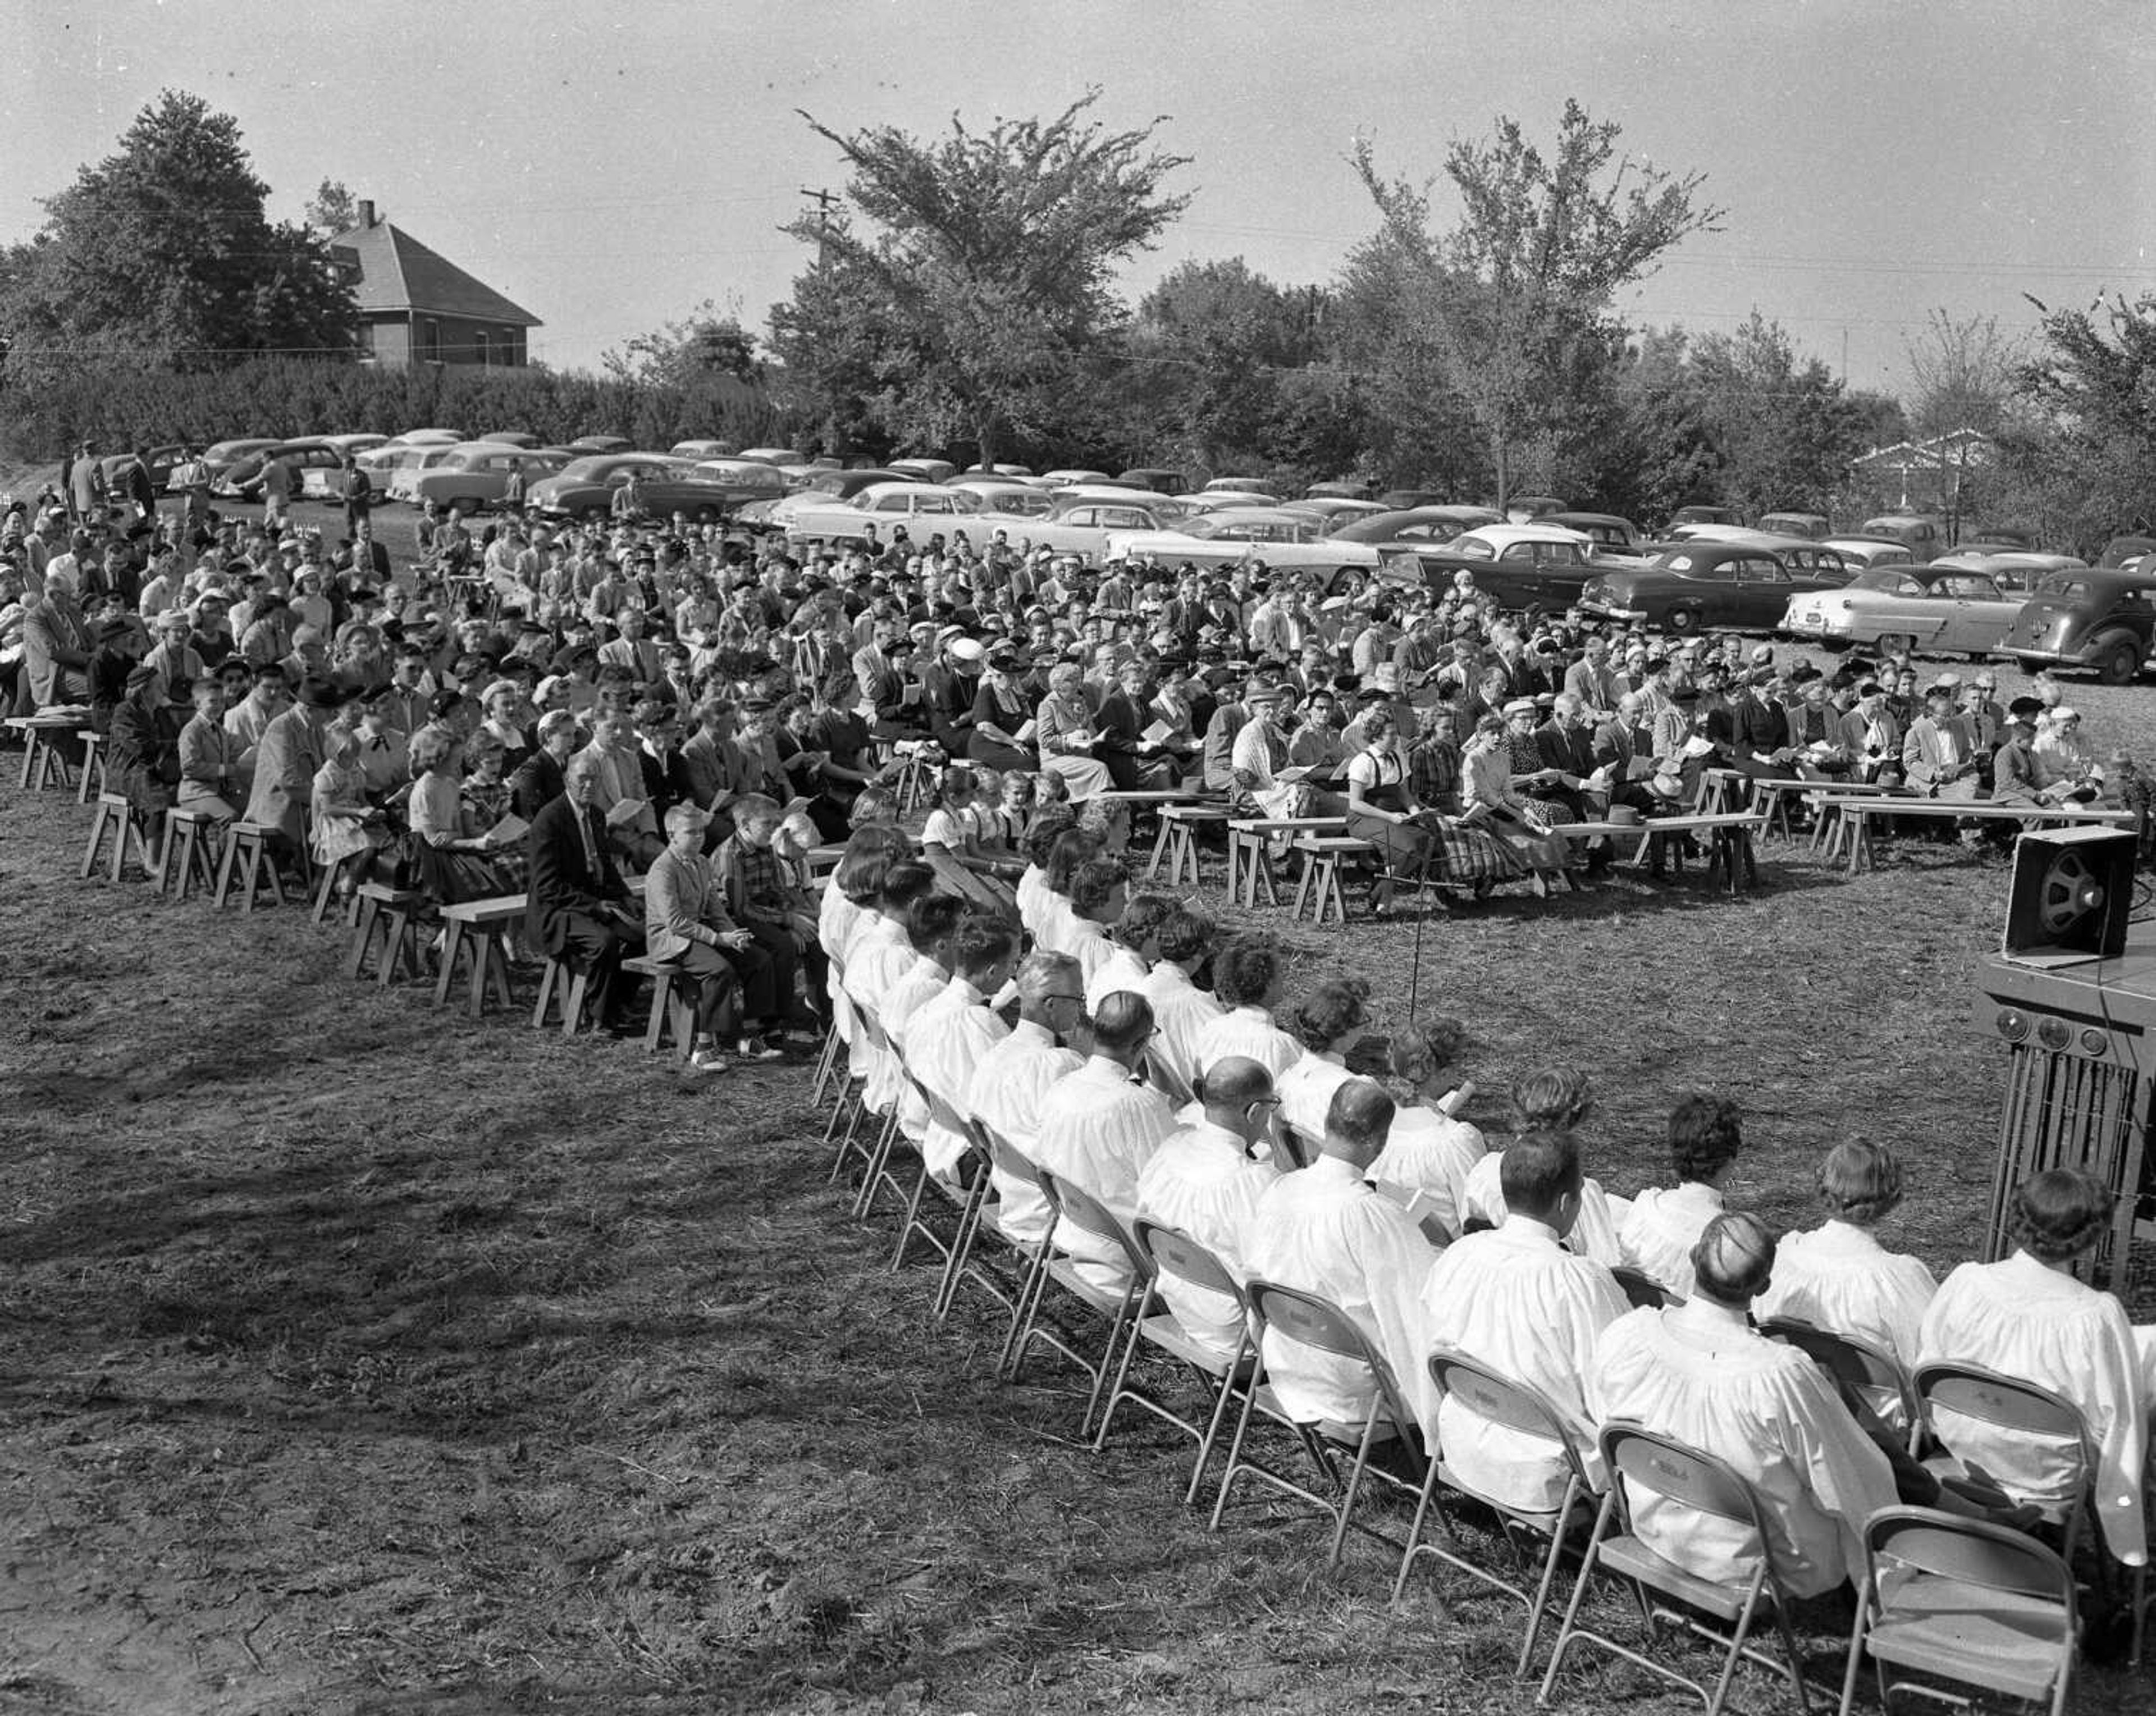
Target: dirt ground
<point>356,1358</point>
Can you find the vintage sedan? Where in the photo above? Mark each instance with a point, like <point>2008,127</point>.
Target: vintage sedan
<point>1608,534</point>
<point>2016,568</point>
<point>817,488</point>
<point>1271,534</point>
<point>1734,586</point>
<point>2090,617</point>
<point>585,488</point>
<point>1934,610</point>
<point>1081,518</point>
<point>923,508</point>
<point>314,463</point>
<point>1007,496</point>
<point>1864,553</point>
<point>475,478</point>
<point>1516,565</point>
<point>1812,527</point>
<point>1415,528</point>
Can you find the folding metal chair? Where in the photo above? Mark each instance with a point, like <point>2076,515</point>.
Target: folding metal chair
<point>876,1174</point>
<point>1053,1264</point>
<point>939,1112</point>
<point>1316,1323</point>
<point>1171,1252</point>
<point>975,1218</point>
<point>1515,1405</point>
<point>1694,1478</point>
<point>827,1066</point>
<point>1962,1600</point>
<point>2021,1408</point>
<point>1855,1362</point>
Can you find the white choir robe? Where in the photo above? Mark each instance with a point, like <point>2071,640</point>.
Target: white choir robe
<point>1429,1152</point>
<point>880,954</point>
<point>1032,887</point>
<point>1306,1090</point>
<point>1087,942</point>
<point>1098,1125</point>
<point>2034,1323</point>
<point>1181,1011</point>
<point>895,1010</point>
<point>1516,1299</point>
<point>1594,1234</point>
<point>1118,970</point>
<point>946,1039</point>
<point>1663,1225</point>
<point>1248,1031</point>
<point>1697,1372</point>
<point>837,920</point>
<point>1322,1231</point>
<point>1839,1277</point>
<point>1053,923</point>
<point>1005,1094</point>
<point>1202,1181</point>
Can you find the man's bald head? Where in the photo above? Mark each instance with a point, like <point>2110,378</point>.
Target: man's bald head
<point>1357,1122</point>
<point>1235,1082</point>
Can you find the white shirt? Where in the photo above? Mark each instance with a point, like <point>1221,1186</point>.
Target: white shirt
<point>1306,1090</point>
<point>1696,1372</point>
<point>2034,1323</point>
<point>1516,1299</point>
<point>1594,1234</point>
<point>1839,1276</point>
<point>1433,1154</point>
<point>1248,1031</point>
<point>946,1037</point>
<point>1181,1011</point>
<point>1119,969</point>
<point>1201,1180</point>
<point>1009,1084</point>
<point>1663,1225</point>
<point>1322,1231</point>
<point>1097,1129</point>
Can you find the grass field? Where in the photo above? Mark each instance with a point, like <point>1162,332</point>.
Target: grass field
<point>356,1358</point>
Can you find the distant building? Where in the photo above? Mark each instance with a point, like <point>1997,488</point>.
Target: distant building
<point>1930,474</point>
<point>416,307</point>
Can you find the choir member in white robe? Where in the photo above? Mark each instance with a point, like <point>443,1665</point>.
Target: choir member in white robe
<point>1011,1082</point>
<point>2027,1317</point>
<point>1430,1153</point>
<point>1698,1373</point>
<point>929,923</point>
<point>1323,1229</point>
<point>1127,962</point>
<point>1516,1299</point>
<point>1595,1235</point>
<point>1838,1276</point>
<point>882,954</point>
<point>847,916</point>
<point>1205,1180</point>
<point>1663,1225</point>
<point>1181,1010</point>
<point>1098,1127</point>
<point>1247,978</point>
<point>952,1031</point>
<point>1326,1022</point>
<point>1054,923</point>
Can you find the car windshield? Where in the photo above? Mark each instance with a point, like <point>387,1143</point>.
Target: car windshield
<point>2061,585</point>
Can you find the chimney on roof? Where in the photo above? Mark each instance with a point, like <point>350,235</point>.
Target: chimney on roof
<point>367,211</point>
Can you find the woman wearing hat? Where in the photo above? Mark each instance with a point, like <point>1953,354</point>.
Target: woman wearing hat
<point>143,755</point>
<point>1003,715</point>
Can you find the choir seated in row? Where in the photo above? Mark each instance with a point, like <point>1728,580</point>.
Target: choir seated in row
<point>1153,1065</point>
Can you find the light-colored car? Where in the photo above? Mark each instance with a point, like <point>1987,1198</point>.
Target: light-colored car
<point>883,506</point>
<point>814,488</point>
<point>427,438</point>
<point>2014,568</point>
<point>1336,510</point>
<point>1081,520</point>
<point>1934,610</point>
<point>410,464</point>
<point>1223,501</point>
<point>474,477</point>
<point>1065,479</point>
<point>1812,527</point>
<point>926,470</point>
<point>757,480</point>
<point>1870,551</point>
<point>774,456</point>
<point>1272,534</point>
<point>1007,496</point>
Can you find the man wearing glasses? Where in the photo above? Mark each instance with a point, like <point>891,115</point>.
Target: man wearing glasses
<point>1010,1082</point>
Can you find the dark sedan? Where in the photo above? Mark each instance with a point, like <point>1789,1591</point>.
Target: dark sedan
<point>1732,586</point>
<point>585,489</point>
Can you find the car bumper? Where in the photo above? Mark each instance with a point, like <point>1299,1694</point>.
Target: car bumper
<point>2048,658</point>
<point>1609,610</point>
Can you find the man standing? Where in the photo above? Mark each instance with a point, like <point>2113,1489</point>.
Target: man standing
<point>358,492</point>
<point>579,907</point>
<point>276,493</point>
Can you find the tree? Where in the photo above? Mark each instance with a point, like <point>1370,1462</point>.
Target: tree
<point>332,209</point>
<point>162,254</point>
<point>2084,458</point>
<point>1509,309</point>
<point>1964,375</point>
<point>1783,427</point>
<point>983,265</point>
<point>706,342</point>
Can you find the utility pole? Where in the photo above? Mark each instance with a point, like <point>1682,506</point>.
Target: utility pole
<point>822,199</point>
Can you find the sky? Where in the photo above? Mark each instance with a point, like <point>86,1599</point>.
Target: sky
<point>612,168</point>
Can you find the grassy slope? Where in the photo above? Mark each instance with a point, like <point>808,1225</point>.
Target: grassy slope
<point>354,1357</point>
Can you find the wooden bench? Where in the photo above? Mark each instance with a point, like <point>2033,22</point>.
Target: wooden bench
<point>93,764</point>
<point>190,836</point>
<point>249,864</point>
<point>1729,841</point>
<point>670,1009</point>
<point>118,826</point>
<point>1251,840</point>
<point>1318,885</point>
<point>478,930</point>
<point>1176,842</point>
<point>1857,811</point>
<point>45,762</point>
<point>562,983</point>
<point>396,913</point>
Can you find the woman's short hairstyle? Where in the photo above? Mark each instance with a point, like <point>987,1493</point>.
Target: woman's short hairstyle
<point>1860,1183</point>
<point>1095,881</point>
<point>1072,850</point>
<point>981,940</point>
<point>868,855</point>
<point>1704,1136</point>
<point>931,918</point>
<point>1324,1014</point>
<point>482,745</point>
<point>1552,1098</point>
<point>1185,933</point>
<point>1734,1259</point>
<point>2058,1214</point>
<point>1047,827</point>
<point>1377,724</point>
<point>430,747</point>
<point>875,807</point>
<point>1143,914</point>
<point>555,720</point>
<point>1421,1050</point>
<point>1246,970</point>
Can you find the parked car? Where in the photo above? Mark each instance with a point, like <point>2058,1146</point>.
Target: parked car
<point>157,461</point>
<point>1607,533</point>
<point>603,444</point>
<point>700,450</point>
<point>1271,534</point>
<point>1516,566</point>
<point>1079,520</point>
<point>2121,550</point>
<point>1340,491</point>
<point>585,488</point>
<point>514,438</point>
<point>926,470</point>
<point>1413,500</point>
<point>220,456</point>
<point>474,478</point>
<point>817,489</point>
<point>427,438</point>
<point>1735,586</point>
<point>2018,537</point>
<point>1799,554</point>
<point>354,443</point>
<point>756,480</point>
<point>314,463</point>
<point>2016,568</point>
<point>1703,515</point>
<point>388,465</point>
<point>1417,528</point>
<point>1238,486</point>
<point>1924,533</point>
<point>1335,510</point>
<point>1063,478</point>
<point>1007,496</point>
<point>1863,553</point>
<point>1812,527</point>
<point>1936,610</point>
<point>2088,618</point>
<point>880,505</point>
<point>1222,500</point>
<point>1160,480</point>
<point>1532,509</point>
<point>774,456</point>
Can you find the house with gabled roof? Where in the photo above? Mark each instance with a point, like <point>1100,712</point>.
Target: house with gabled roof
<point>417,306</point>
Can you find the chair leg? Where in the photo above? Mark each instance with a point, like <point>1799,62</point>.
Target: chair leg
<point>655,1022</point>
<point>453,939</point>
<point>92,851</point>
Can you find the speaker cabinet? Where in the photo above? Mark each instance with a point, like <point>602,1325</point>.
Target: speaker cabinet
<point>2073,891</point>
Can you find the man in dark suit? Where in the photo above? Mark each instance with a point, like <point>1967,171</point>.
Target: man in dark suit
<point>539,779</point>
<point>579,907</point>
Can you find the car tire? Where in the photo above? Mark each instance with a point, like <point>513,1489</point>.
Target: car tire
<point>2117,658</point>
<point>1898,643</point>
<point>1683,622</point>
<point>2031,664</point>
